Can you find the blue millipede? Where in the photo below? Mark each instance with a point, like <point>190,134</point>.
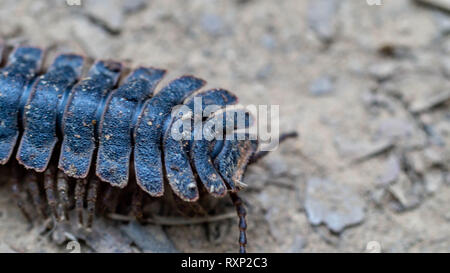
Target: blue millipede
<point>86,142</point>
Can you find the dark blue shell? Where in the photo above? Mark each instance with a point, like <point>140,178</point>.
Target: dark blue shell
<point>41,111</point>
<point>232,161</point>
<point>22,66</point>
<point>92,114</point>
<point>115,141</point>
<point>149,131</point>
<point>177,162</point>
<point>81,117</point>
<point>202,151</point>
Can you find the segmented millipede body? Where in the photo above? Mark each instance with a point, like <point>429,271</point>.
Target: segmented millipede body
<point>83,141</point>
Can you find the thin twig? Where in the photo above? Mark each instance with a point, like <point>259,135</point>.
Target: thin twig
<point>172,221</point>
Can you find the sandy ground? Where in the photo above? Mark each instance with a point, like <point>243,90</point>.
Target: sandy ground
<point>367,88</point>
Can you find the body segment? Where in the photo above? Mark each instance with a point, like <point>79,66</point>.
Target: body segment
<point>23,64</point>
<point>41,112</point>
<point>116,125</point>
<point>81,117</point>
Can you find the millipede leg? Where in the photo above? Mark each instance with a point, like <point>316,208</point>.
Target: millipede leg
<point>188,209</point>
<point>257,156</point>
<point>91,201</point>
<point>110,199</point>
<point>33,189</point>
<point>241,212</point>
<point>19,195</point>
<point>63,196</point>
<point>49,186</point>
<point>136,204</point>
<point>80,190</point>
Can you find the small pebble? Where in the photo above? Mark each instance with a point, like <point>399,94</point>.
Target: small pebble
<point>335,205</point>
<point>132,6</point>
<point>392,171</point>
<point>433,181</point>
<point>213,24</point>
<point>322,18</point>
<point>322,86</point>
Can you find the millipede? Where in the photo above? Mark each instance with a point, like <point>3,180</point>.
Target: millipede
<point>95,138</point>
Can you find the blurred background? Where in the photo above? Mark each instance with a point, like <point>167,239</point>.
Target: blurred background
<point>365,83</point>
